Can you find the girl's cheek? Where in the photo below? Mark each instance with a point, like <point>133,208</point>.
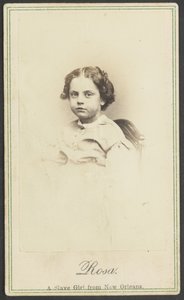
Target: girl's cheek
<point>71,101</point>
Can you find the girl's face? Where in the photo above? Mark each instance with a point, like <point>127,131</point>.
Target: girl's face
<point>85,101</point>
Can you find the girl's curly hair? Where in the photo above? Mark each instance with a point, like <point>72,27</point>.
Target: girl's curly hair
<point>99,78</point>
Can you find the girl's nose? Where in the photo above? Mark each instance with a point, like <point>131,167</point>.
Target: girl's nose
<point>80,100</point>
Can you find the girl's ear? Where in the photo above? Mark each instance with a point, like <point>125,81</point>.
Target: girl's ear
<point>102,102</point>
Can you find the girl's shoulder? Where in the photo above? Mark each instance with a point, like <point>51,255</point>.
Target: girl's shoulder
<point>113,133</point>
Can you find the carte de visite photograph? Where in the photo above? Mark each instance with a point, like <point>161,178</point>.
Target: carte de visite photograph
<point>91,149</point>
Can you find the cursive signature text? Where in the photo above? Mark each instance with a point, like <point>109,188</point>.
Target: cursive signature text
<point>90,267</point>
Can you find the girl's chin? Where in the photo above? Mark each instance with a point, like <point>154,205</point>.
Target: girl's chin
<point>82,116</point>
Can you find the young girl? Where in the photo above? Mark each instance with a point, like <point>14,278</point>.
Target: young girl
<point>93,137</point>
<point>94,177</point>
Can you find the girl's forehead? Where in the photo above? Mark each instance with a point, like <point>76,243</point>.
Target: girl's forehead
<point>82,83</point>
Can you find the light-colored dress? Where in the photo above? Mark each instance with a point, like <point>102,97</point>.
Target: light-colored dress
<point>92,142</point>
<point>92,183</point>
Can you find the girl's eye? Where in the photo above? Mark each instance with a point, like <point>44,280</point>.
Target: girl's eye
<point>88,94</point>
<point>74,94</point>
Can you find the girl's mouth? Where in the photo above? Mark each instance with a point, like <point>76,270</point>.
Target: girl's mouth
<point>80,109</point>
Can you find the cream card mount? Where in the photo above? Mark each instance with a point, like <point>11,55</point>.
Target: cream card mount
<point>91,231</point>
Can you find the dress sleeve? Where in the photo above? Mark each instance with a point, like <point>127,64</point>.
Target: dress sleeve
<point>122,161</point>
<point>121,154</point>
<point>122,167</point>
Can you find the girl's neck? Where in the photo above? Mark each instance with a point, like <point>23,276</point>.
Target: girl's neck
<point>92,120</point>
<point>91,124</point>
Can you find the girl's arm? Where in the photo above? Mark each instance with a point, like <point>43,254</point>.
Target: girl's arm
<point>122,161</point>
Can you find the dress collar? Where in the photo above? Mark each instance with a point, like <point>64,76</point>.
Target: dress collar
<point>100,121</point>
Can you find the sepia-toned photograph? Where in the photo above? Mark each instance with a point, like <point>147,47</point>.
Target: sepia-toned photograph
<point>91,149</point>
